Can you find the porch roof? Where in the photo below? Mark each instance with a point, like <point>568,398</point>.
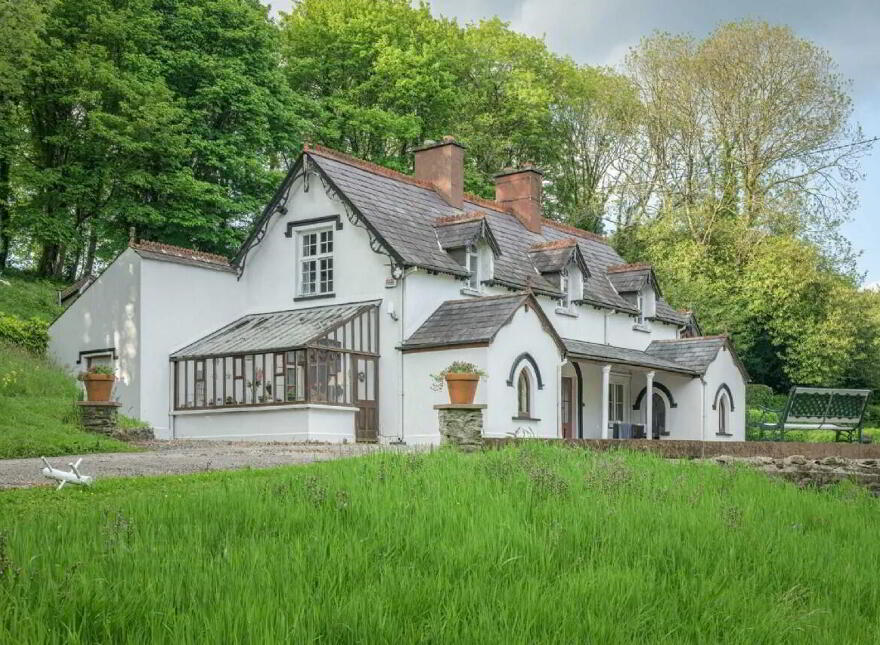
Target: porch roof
<point>622,356</point>
<point>273,331</point>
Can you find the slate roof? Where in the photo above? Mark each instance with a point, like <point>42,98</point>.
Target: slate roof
<point>667,314</point>
<point>623,356</point>
<point>693,353</point>
<point>460,322</point>
<point>402,210</point>
<point>277,330</point>
<point>463,231</point>
<point>629,281</point>
<point>180,255</point>
<point>552,257</point>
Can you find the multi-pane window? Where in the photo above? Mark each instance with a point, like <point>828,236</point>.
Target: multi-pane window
<point>316,262</point>
<point>565,301</point>
<point>615,402</point>
<point>473,265</point>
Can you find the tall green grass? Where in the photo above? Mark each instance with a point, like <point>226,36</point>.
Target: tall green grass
<point>523,545</point>
<point>27,296</point>
<point>38,414</point>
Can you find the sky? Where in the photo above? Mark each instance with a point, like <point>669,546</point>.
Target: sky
<point>601,32</point>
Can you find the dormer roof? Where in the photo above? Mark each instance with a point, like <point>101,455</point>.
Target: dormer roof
<point>554,256</point>
<point>466,230</point>
<point>630,278</point>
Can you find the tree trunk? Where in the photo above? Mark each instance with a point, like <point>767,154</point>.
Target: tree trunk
<point>89,266</point>
<point>47,259</point>
<point>5,235</point>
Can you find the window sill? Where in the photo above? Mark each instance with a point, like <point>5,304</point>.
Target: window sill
<point>525,419</point>
<point>467,291</point>
<point>723,434</point>
<point>562,311</point>
<point>316,296</point>
<point>642,327</point>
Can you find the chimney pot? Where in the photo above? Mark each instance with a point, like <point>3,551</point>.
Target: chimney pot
<point>442,165</point>
<point>520,189</point>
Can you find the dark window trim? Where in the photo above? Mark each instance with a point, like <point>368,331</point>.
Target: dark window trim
<point>525,356</point>
<point>723,434</point>
<point>521,418</point>
<point>659,386</point>
<point>92,352</point>
<point>313,220</point>
<point>315,296</point>
<point>724,387</point>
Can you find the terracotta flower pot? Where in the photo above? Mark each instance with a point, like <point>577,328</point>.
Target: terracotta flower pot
<point>98,386</point>
<point>462,387</point>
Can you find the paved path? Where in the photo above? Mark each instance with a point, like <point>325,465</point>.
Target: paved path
<point>181,457</point>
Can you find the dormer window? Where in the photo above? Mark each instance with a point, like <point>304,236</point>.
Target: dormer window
<point>565,288</point>
<point>640,304</point>
<point>473,266</point>
<point>316,263</point>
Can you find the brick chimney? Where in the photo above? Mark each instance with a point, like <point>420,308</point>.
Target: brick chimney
<point>442,165</point>
<point>520,189</point>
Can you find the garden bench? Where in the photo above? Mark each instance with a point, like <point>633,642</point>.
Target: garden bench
<point>818,408</point>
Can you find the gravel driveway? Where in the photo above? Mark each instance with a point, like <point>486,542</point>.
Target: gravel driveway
<point>181,457</point>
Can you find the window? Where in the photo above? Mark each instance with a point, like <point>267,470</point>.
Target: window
<point>615,402</point>
<point>640,305</point>
<point>316,262</point>
<point>523,395</point>
<point>723,416</point>
<point>564,287</point>
<point>473,265</point>
<point>95,360</point>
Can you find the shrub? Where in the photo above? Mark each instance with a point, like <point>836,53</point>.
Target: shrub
<point>872,416</point>
<point>457,367</point>
<point>31,334</point>
<point>758,394</point>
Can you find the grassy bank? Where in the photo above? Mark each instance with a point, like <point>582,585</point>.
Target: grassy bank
<point>37,411</point>
<point>522,545</point>
<point>26,296</point>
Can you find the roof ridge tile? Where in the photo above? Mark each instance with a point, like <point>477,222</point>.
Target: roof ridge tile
<point>180,251</point>
<point>369,166</point>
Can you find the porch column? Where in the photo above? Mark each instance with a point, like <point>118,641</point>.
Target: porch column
<point>649,407</point>
<point>606,379</point>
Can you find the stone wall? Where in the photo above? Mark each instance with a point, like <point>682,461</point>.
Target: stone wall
<point>461,425</point>
<point>707,449</point>
<point>814,472</point>
<point>102,417</point>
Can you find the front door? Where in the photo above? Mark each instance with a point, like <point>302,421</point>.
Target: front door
<point>366,395</point>
<point>567,409</point>
<point>658,415</point>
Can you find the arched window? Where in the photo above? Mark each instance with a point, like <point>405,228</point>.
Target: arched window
<point>523,395</point>
<point>723,414</point>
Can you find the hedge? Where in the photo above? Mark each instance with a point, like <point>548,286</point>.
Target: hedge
<point>31,334</point>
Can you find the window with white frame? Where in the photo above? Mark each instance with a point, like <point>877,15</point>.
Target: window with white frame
<point>473,266</point>
<point>565,288</point>
<point>616,394</point>
<point>316,262</point>
<point>640,305</point>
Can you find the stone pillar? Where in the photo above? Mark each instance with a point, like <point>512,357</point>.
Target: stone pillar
<point>606,380</point>
<point>649,406</point>
<point>99,416</point>
<point>461,425</point>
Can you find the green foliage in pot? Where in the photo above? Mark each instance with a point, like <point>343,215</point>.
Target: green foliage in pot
<point>457,367</point>
<point>106,370</point>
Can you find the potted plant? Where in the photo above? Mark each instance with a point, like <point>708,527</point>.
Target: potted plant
<point>461,381</point>
<point>99,382</point>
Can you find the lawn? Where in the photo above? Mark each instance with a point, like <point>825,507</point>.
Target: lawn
<point>528,544</point>
<point>38,414</point>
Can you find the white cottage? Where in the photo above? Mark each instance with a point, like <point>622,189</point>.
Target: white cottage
<point>359,282</point>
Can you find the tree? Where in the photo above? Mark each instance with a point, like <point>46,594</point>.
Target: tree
<point>21,22</point>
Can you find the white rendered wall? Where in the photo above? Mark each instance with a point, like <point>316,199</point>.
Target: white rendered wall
<point>322,423</point>
<point>270,275</point>
<point>523,333</point>
<point>420,418</point>
<point>107,314</point>
<point>724,370</point>
<point>182,303</point>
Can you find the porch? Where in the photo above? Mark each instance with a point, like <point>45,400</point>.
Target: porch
<point>604,394</point>
<point>302,375</point>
